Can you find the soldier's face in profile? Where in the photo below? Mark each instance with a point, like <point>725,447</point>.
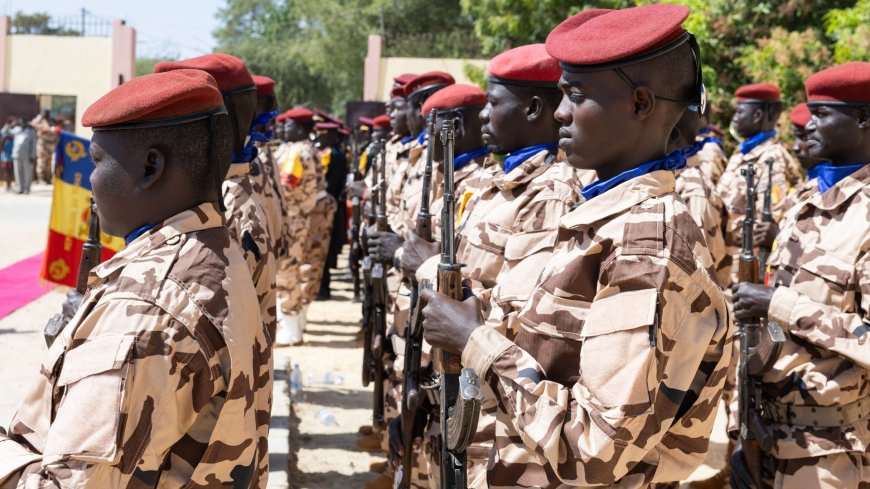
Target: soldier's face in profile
<point>114,182</point>
<point>398,121</point>
<point>500,119</point>
<point>746,121</point>
<point>838,133</point>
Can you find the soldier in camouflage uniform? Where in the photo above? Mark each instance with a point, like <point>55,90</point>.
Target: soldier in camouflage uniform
<point>245,208</point>
<point>316,245</point>
<point>614,376</point>
<point>151,383</point>
<point>758,108</point>
<point>46,141</point>
<point>300,169</point>
<point>815,398</point>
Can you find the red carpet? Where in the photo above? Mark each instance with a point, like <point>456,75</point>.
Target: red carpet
<point>19,284</point>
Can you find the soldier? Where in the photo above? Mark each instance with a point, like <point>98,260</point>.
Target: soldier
<point>244,208</point>
<point>46,141</point>
<point>799,117</point>
<point>614,376</point>
<point>754,121</point>
<point>815,398</point>
<point>301,171</point>
<point>150,384</point>
<point>711,152</point>
<point>333,156</point>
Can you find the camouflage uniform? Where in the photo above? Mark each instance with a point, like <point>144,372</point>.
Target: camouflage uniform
<point>630,273</point>
<point>316,244</point>
<point>397,167</point>
<point>169,340</point>
<point>732,188</point>
<point>46,141</point>
<point>711,161</point>
<point>301,197</point>
<point>245,208</point>
<point>821,271</point>
<point>278,210</point>
<point>802,192</point>
<point>708,210</point>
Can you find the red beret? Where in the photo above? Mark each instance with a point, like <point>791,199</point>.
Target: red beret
<point>299,114</point>
<point>800,115</point>
<point>265,85</point>
<point>174,97</point>
<point>228,71</point>
<point>758,92</point>
<point>382,122</point>
<point>326,126</point>
<point>397,92</point>
<point>848,83</point>
<point>526,65</point>
<point>428,80</point>
<point>454,97</point>
<point>403,78</point>
<point>366,121</point>
<point>280,118</point>
<point>595,38</point>
<point>345,131</point>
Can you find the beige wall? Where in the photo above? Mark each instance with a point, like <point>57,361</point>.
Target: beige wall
<point>392,67</point>
<point>60,65</point>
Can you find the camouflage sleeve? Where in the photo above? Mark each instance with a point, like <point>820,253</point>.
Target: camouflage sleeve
<point>128,390</point>
<point>825,325</point>
<point>786,176</point>
<point>643,344</point>
<point>306,191</point>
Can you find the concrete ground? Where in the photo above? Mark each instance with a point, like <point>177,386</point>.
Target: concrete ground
<point>308,449</point>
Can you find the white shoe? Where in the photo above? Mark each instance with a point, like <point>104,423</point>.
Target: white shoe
<point>289,331</point>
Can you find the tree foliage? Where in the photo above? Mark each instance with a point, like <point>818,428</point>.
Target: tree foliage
<point>39,24</point>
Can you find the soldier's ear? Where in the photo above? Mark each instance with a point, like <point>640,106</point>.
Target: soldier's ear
<point>864,118</point>
<point>535,108</point>
<point>758,115</point>
<point>155,163</point>
<point>644,102</point>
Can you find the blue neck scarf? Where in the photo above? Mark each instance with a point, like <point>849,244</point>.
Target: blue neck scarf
<point>249,152</point>
<point>828,175</point>
<point>465,158</point>
<point>673,161</point>
<point>692,150</point>
<point>406,140</point>
<point>814,171</point>
<point>712,139</point>
<point>754,141</point>
<point>422,137</point>
<point>518,157</point>
<point>138,232</point>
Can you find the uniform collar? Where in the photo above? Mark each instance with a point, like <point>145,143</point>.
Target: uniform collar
<point>516,158</point>
<point>828,175</point>
<point>203,216</point>
<point>238,170</point>
<point>673,161</point>
<point>620,198</point>
<point>756,140</point>
<point>465,158</point>
<point>843,190</point>
<point>533,166</point>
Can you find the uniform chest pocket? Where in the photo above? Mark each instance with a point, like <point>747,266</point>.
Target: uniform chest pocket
<point>87,423</point>
<point>823,276</point>
<point>617,359</point>
<point>489,237</point>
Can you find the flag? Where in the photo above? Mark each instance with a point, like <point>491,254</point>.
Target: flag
<point>70,212</point>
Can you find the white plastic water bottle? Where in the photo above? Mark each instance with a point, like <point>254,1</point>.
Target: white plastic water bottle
<point>326,417</point>
<point>296,383</point>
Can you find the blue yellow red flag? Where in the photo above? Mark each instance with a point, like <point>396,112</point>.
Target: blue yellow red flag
<point>70,212</point>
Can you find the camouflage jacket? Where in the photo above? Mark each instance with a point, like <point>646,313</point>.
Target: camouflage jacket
<point>156,380</point>
<point>821,271</point>
<point>462,183</point>
<point>300,168</point>
<point>732,188</point>
<point>615,376</point>
<point>708,210</point>
<point>410,189</point>
<point>802,192</point>
<point>397,168</point>
<point>711,161</point>
<point>269,184</point>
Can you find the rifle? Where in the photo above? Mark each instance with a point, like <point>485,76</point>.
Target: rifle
<point>411,401</point>
<point>355,251</point>
<point>760,344</point>
<point>379,300</point>
<point>461,392</point>
<point>91,253</point>
<point>766,216</point>
<point>367,294</point>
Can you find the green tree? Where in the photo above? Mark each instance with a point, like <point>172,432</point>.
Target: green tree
<point>145,66</point>
<point>38,23</point>
<point>850,30</point>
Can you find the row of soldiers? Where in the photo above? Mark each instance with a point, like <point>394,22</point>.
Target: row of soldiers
<point>159,373</point>
<point>610,256</point>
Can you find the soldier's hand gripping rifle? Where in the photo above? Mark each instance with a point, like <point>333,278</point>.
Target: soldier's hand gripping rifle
<point>461,392</point>
<point>368,307</point>
<point>411,400</point>
<point>379,300</point>
<point>760,344</point>
<point>766,216</point>
<point>91,253</point>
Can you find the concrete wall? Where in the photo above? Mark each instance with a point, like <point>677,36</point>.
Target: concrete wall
<point>84,67</point>
<point>379,72</point>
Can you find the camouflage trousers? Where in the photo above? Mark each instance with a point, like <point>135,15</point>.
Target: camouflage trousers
<point>44,153</point>
<point>316,246</point>
<point>289,281</point>
<point>835,471</point>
